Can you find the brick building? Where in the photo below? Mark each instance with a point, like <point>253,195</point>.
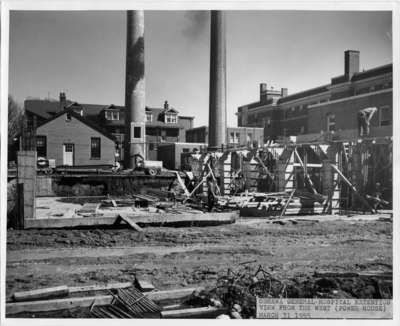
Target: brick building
<point>163,125</point>
<point>328,111</point>
<point>235,136</point>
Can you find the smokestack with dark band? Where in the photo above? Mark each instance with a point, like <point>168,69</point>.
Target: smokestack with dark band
<point>134,89</point>
<point>217,104</point>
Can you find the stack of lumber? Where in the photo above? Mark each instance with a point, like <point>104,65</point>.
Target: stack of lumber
<point>164,304</point>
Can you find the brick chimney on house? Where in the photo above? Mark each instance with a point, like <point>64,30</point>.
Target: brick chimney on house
<point>351,63</point>
<point>63,101</point>
<point>166,105</point>
<point>284,92</point>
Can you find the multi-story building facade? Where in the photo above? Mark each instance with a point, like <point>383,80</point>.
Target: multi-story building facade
<point>328,111</point>
<point>163,125</point>
<point>235,136</point>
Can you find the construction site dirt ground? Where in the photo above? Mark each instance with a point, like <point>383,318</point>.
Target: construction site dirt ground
<point>189,257</point>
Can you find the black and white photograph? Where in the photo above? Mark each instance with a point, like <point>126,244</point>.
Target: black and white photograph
<point>198,162</point>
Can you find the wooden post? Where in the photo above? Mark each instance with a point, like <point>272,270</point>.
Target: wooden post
<point>362,199</point>
<point>19,222</point>
<point>307,177</point>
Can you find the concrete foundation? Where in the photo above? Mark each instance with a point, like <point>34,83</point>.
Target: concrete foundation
<point>27,177</point>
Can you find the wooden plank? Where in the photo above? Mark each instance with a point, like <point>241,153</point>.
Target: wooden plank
<point>305,172</point>
<point>143,285</point>
<point>58,304</point>
<point>100,287</point>
<point>128,219</point>
<point>155,219</point>
<point>69,303</point>
<point>170,295</point>
<point>287,203</point>
<point>203,312</point>
<point>182,184</point>
<point>363,200</point>
<point>44,293</point>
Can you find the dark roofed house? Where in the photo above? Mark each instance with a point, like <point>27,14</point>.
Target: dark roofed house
<point>163,125</point>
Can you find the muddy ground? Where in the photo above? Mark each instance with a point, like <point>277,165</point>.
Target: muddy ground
<point>182,257</point>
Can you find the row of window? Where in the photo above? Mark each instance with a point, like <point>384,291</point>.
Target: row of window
<point>374,88</point>
<point>114,115</point>
<point>234,138</point>
<point>384,118</point>
<point>95,147</point>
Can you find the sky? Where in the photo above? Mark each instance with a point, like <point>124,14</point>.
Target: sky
<point>83,54</point>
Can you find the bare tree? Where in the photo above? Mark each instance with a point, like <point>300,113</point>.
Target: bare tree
<point>15,117</point>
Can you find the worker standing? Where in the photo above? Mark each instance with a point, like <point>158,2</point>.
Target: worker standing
<point>211,194</point>
<point>364,120</point>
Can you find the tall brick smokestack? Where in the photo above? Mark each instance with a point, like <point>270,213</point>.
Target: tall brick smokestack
<point>217,102</point>
<point>134,89</point>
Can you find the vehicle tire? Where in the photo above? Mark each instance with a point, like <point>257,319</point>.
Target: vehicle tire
<point>151,172</point>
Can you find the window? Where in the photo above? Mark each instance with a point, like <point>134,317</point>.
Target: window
<point>112,115</point>
<point>95,148</point>
<point>149,117</point>
<point>301,130</point>
<point>331,122</point>
<point>286,114</point>
<point>237,138</point>
<point>136,132</point>
<point>232,137</point>
<point>170,118</point>
<point>41,146</point>
<point>249,138</point>
<point>268,124</point>
<point>385,116</point>
<point>185,150</point>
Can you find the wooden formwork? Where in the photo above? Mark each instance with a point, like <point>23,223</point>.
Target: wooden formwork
<point>344,172</point>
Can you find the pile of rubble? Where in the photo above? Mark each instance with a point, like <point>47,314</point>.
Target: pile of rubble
<point>238,290</point>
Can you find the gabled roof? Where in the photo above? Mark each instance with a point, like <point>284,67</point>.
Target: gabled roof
<point>87,122</point>
<point>46,109</point>
<point>169,109</point>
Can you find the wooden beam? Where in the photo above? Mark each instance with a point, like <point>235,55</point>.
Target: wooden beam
<point>100,287</point>
<point>203,312</point>
<point>44,293</point>
<point>287,203</point>
<point>156,219</point>
<point>69,303</point>
<point>170,295</point>
<point>58,304</point>
<point>363,200</point>
<point>182,184</point>
<point>305,172</point>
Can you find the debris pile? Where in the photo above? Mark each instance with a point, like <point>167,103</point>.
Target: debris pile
<point>127,303</point>
<point>238,290</point>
